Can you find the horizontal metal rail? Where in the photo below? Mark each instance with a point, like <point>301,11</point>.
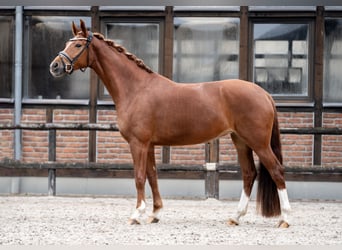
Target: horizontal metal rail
<point>179,171</point>
<point>114,127</point>
<point>60,126</point>
<point>9,163</point>
<point>91,169</point>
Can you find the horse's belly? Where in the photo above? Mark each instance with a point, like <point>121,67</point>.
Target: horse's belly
<point>191,133</point>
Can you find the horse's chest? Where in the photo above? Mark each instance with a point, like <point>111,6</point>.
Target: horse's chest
<point>133,127</point>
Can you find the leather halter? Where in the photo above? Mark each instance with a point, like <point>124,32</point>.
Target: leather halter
<point>69,67</point>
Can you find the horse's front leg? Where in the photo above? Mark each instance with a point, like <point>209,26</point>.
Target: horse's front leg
<point>139,153</point>
<point>153,181</point>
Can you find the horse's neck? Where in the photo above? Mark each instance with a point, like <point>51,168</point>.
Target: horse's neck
<point>121,76</point>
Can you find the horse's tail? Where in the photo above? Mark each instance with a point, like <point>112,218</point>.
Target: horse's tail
<point>267,195</point>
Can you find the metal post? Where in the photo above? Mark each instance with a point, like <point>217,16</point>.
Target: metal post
<point>52,154</point>
<point>318,83</point>
<point>18,79</point>
<point>51,182</point>
<point>211,181</point>
<point>212,175</point>
<point>167,63</point>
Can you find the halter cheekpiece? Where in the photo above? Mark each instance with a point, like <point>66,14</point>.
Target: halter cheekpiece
<point>69,67</point>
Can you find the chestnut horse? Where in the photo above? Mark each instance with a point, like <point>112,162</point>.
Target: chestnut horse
<point>153,110</point>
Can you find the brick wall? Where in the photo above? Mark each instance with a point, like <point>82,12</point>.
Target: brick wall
<point>6,136</point>
<point>227,154</point>
<point>34,143</point>
<point>111,147</point>
<point>72,146</point>
<point>297,149</point>
<point>193,154</point>
<point>332,144</point>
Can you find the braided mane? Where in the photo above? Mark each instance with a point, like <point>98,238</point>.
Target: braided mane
<point>123,50</point>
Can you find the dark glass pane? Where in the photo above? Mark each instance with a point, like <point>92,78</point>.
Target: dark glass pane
<point>333,61</point>
<point>281,58</point>
<point>6,57</point>
<point>140,39</point>
<point>205,49</point>
<point>46,36</point>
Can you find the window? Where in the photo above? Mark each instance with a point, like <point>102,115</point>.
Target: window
<point>6,57</point>
<point>280,60</point>
<point>139,38</point>
<point>205,49</point>
<point>332,90</point>
<point>46,36</point>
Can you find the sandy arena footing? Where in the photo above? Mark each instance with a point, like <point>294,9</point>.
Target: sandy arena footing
<point>72,221</point>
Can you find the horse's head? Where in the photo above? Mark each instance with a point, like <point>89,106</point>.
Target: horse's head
<point>75,54</point>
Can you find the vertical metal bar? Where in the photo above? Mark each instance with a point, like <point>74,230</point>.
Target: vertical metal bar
<point>318,82</point>
<point>211,180</point>
<point>51,182</point>
<point>212,175</point>
<point>93,93</point>
<point>18,79</point>
<point>52,136</point>
<point>52,154</point>
<point>244,49</point>
<point>168,62</point>
<point>168,43</point>
<point>212,151</point>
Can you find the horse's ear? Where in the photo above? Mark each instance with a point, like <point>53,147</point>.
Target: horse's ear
<point>83,28</point>
<point>74,28</point>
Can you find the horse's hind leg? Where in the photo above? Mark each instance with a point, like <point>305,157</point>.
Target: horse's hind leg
<point>276,172</point>
<point>153,181</point>
<point>245,156</point>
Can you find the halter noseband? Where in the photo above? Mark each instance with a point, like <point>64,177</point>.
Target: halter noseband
<point>69,68</point>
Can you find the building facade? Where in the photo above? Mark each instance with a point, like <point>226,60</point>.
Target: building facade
<point>295,53</point>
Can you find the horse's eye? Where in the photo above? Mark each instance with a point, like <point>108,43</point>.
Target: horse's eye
<point>78,45</point>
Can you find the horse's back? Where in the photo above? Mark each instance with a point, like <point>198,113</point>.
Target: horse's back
<point>242,95</point>
<point>192,113</point>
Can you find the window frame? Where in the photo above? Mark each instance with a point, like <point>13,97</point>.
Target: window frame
<point>288,100</point>
<point>53,12</point>
<point>329,14</point>
<point>207,12</point>
<point>208,16</point>
<point>106,99</point>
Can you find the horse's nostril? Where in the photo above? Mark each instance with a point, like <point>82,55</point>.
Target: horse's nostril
<point>55,65</point>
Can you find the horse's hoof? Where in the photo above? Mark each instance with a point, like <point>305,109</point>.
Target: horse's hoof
<point>283,224</point>
<point>133,222</point>
<point>152,219</point>
<point>232,222</point>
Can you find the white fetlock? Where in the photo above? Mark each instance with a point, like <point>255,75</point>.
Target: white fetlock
<point>154,217</point>
<point>241,211</point>
<point>134,219</point>
<point>285,208</point>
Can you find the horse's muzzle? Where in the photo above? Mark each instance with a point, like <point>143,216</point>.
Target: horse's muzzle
<point>57,68</point>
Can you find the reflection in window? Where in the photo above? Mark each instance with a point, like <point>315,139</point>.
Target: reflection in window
<point>47,36</point>
<point>333,61</point>
<point>6,57</point>
<point>140,39</point>
<point>205,49</point>
<point>281,58</point>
